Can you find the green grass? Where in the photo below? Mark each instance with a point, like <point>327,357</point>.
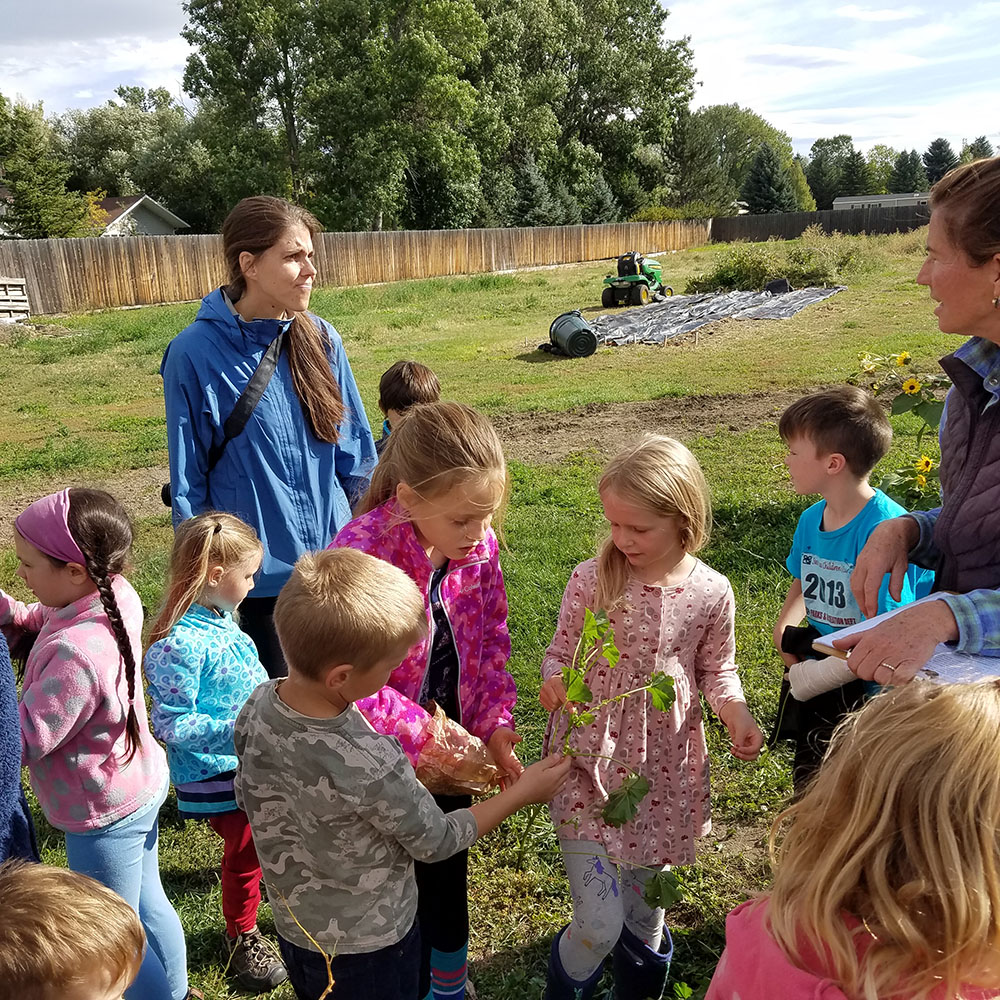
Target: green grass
<point>87,403</point>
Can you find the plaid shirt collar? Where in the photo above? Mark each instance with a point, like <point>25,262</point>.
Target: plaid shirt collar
<point>983,357</point>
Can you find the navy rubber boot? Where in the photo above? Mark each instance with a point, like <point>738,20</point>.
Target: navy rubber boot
<point>559,986</point>
<point>640,972</point>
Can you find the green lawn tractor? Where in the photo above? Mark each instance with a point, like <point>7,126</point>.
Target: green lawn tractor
<point>637,282</point>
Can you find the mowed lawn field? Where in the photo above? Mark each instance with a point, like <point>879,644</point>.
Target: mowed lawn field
<point>82,403</point>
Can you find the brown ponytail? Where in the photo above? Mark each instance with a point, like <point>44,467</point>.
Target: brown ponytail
<point>102,530</point>
<point>253,226</point>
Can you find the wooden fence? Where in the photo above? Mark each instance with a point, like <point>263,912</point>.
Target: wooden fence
<point>77,275</point>
<point>789,225</point>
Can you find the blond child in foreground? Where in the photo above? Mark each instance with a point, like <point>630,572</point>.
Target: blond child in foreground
<point>887,877</point>
<point>64,936</point>
<point>337,814</point>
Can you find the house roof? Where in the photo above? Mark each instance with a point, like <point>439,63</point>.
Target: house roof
<point>121,206</point>
<point>883,197</point>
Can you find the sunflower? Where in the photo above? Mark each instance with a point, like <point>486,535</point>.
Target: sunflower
<point>923,464</point>
<point>903,358</point>
<point>921,481</point>
<point>911,387</point>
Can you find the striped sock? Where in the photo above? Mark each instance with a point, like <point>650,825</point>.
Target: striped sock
<point>449,971</point>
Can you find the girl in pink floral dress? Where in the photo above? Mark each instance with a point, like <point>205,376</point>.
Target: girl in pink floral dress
<point>439,481</point>
<point>673,614</point>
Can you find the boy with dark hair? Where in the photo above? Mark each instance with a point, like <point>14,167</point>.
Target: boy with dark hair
<point>403,385</point>
<point>336,810</point>
<point>835,438</point>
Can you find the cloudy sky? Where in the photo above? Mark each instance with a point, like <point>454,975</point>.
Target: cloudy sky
<point>900,73</point>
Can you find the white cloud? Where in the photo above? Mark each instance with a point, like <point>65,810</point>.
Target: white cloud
<point>902,81</point>
<point>885,14</point>
<point>67,73</point>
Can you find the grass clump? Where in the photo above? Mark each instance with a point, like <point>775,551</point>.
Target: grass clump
<point>816,258</point>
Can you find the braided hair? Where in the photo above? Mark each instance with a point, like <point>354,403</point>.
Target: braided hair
<point>102,530</point>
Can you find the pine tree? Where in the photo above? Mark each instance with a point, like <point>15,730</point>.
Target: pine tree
<point>908,175</point>
<point>535,206</point>
<point>939,159</point>
<point>856,177</point>
<point>568,208</point>
<point>767,187</point>
<point>40,206</point>
<point>598,201</point>
<point>978,149</point>
<point>824,180</point>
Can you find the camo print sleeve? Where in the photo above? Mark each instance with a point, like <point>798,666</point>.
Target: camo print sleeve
<point>337,817</point>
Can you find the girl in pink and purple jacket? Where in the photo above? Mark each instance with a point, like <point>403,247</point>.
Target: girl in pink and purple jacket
<point>99,775</point>
<point>438,484</point>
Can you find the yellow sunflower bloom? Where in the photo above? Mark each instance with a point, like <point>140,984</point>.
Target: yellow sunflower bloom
<point>923,464</point>
<point>903,358</point>
<point>911,387</point>
<point>921,481</point>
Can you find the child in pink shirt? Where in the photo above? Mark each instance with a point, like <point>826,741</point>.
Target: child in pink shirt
<point>439,481</point>
<point>671,614</point>
<point>887,877</point>
<point>99,775</point>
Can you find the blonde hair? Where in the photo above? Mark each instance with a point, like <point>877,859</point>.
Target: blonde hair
<point>60,930</point>
<point>344,606</point>
<point>660,474</point>
<point>436,447</point>
<point>210,539</point>
<point>969,198</point>
<point>900,831</point>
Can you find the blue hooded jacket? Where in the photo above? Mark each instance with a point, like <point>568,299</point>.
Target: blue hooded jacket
<point>294,489</point>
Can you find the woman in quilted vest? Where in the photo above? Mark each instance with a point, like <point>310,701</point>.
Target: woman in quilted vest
<point>960,540</point>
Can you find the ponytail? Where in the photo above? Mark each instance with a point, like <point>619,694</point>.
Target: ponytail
<point>103,532</point>
<point>100,576</point>
<point>210,539</point>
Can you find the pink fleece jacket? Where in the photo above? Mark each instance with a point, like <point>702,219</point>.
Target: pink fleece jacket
<point>753,967</point>
<point>474,598</point>
<point>74,700</point>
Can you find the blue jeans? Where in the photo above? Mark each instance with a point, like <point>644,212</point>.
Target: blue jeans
<point>387,974</point>
<point>123,856</point>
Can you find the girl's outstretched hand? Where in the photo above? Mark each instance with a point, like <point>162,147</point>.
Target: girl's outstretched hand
<point>501,749</point>
<point>743,731</point>
<point>543,779</point>
<point>552,694</point>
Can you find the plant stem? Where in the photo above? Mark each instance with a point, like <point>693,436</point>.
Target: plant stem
<point>604,756</point>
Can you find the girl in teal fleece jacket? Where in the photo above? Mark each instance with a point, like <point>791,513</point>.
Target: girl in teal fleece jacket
<point>201,669</point>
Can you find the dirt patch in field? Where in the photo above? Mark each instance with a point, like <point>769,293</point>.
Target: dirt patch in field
<point>534,437</point>
<point>138,490</point>
<point>605,427</point>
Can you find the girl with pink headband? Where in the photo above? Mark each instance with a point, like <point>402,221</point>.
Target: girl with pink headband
<point>99,775</point>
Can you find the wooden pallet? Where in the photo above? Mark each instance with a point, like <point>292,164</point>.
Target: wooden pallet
<point>13,300</point>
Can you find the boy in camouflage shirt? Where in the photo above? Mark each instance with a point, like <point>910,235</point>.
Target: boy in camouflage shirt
<point>336,811</point>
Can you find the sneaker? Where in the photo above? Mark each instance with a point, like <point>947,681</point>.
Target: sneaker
<point>254,961</point>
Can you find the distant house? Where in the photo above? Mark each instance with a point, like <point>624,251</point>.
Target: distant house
<point>135,215</point>
<point>139,215</point>
<point>880,200</point>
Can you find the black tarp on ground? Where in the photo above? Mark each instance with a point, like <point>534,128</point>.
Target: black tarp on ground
<point>662,321</point>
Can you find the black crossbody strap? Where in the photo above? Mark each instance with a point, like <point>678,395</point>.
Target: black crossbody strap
<point>249,398</point>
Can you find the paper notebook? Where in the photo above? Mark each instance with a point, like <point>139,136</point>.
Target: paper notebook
<point>946,666</point>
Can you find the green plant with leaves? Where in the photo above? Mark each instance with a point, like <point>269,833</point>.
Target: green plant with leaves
<point>580,710</point>
<point>914,485</point>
